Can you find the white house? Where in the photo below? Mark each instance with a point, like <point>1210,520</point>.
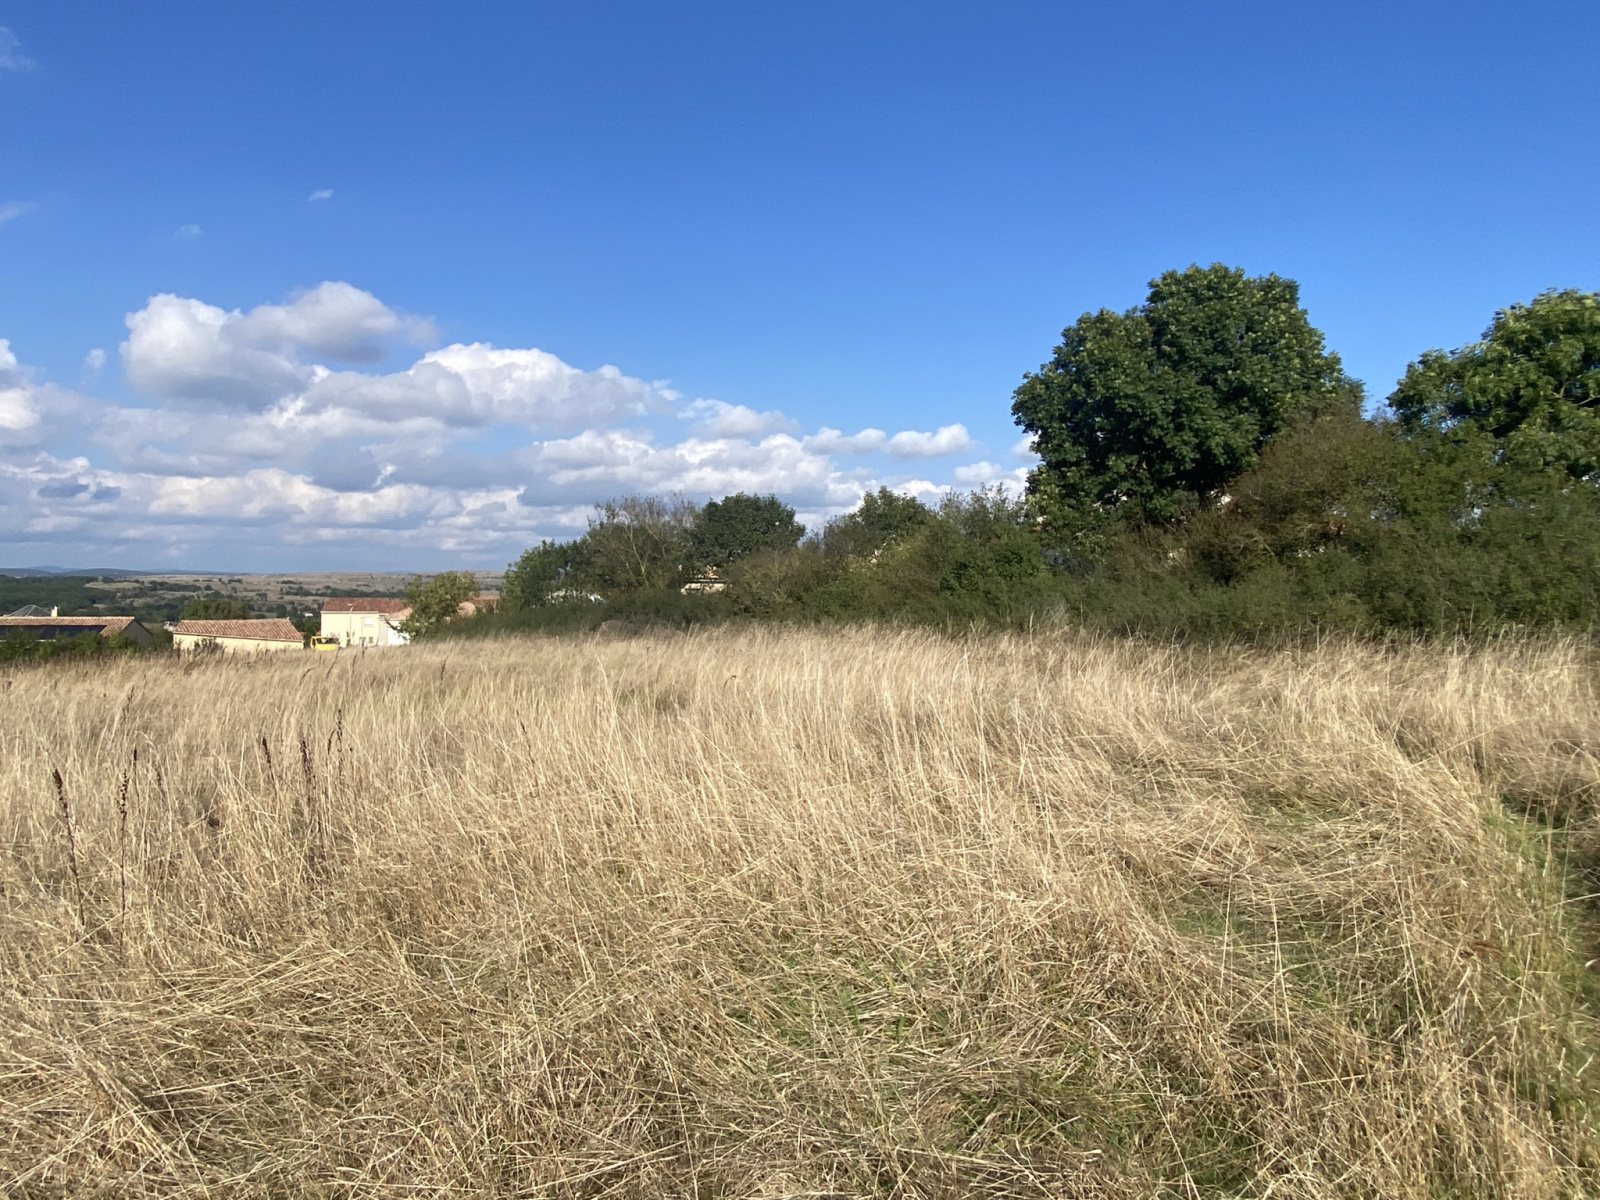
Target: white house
<point>365,620</point>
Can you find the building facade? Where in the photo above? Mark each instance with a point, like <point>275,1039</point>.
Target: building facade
<point>365,620</point>
<point>238,637</point>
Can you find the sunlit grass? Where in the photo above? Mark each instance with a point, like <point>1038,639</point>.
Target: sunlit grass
<point>801,913</point>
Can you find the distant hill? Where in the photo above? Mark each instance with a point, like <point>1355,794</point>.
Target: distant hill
<point>80,572</point>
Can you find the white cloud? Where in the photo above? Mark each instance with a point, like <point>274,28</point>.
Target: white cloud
<point>185,232</point>
<point>1023,447</point>
<point>13,209</point>
<point>11,56</point>
<point>320,194</point>
<point>908,443</point>
<point>17,409</point>
<point>269,439</point>
<point>31,413</point>
<point>947,439</point>
<point>834,441</point>
<point>335,320</point>
<point>721,419</point>
<point>988,474</point>
<point>535,388</point>
<point>95,359</point>
<point>186,350</point>
<point>924,489</point>
<point>603,463</point>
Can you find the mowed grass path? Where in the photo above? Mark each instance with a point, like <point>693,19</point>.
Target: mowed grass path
<point>796,913</point>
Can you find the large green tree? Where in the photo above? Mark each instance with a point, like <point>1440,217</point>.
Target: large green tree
<point>1531,386</point>
<point>740,524</point>
<point>1151,412</point>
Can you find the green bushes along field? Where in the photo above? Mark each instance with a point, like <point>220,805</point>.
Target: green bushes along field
<point>1208,468</point>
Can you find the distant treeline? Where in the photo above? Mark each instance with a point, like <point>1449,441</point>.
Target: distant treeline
<point>1208,468</point>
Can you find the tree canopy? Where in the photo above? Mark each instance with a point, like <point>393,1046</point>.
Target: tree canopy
<point>882,518</point>
<point>1155,409</point>
<point>436,600</point>
<point>741,524</point>
<point>636,542</point>
<point>1532,384</point>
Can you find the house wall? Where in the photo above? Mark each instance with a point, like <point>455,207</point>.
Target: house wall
<point>231,645</point>
<point>361,629</point>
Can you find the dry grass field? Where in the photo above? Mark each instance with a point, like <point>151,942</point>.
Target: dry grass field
<point>789,913</point>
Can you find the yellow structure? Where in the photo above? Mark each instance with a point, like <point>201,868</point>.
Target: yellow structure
<point>365,620</point>
<point>236,637</point>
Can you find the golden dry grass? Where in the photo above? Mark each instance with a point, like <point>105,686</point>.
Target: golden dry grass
<point>788,913</point>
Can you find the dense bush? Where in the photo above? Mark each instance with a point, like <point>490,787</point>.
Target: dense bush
<point>23,645</point>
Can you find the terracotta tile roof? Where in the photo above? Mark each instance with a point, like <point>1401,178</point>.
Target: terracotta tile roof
<point>106,625</point>
<point>269,629</point>
<point>365,604</point>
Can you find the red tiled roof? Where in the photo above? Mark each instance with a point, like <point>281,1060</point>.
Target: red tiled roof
<point>364,604</point>
<point>106,625</point>
<point>268,629</point>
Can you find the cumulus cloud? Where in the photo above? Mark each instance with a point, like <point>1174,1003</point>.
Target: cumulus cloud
<point>94,360</point>
<point>271,431</point>
<point>32,413</point>
<point>11,56</point>
<point>720,419</point>
<point>602,463</point>
<point>320,194</point>
<point>186,350</point>
<point>834,441</point>
<point>908,443</point>
<point>947,439</point>
<point>17,409</point>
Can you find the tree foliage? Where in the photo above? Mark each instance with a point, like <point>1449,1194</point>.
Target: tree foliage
<point>737,525</point>
<point>213,606</point>
<point>882,518</point>
<point>636,543</point>
<point>1152,411</point>
<point>436,601</point>
<point>542,575</point>
<point>1532,384</point>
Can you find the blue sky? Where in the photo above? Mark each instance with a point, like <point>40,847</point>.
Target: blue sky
<point>817,245</point>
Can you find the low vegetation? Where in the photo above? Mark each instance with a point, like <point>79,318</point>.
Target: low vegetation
<point>776,912</point>
<point>25,646</point>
